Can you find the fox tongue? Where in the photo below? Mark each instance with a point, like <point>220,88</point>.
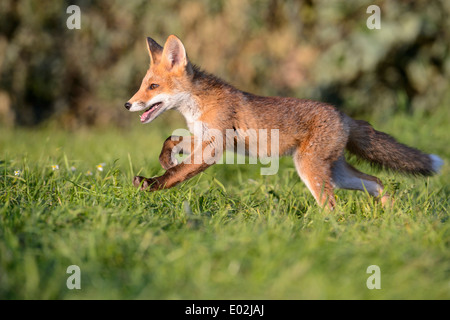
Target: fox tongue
<point>146,115</point>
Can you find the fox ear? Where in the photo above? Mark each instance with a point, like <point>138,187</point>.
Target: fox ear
<point>154,50</point>
<point>174,53</point>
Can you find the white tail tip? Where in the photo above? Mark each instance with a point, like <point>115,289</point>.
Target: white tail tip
<point>436,163</point>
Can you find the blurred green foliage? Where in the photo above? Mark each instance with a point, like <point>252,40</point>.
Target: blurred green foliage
<point>309,49</point>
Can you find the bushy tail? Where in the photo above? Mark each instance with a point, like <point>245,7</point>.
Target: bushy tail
<point>383,150</point>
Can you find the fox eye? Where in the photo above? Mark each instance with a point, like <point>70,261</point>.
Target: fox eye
<point>153,86</point>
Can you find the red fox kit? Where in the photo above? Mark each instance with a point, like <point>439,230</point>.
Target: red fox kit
<point>314,133</point>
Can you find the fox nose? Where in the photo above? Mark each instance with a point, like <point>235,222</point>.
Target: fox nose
<point>128,105</point>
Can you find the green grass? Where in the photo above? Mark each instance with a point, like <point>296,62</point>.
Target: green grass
<point>228,233</point>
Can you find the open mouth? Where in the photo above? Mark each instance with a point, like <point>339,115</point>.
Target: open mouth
<point>147,115</point>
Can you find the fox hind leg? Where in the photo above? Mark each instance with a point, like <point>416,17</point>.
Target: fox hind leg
<point>347,177</point>
<point>316,174</point>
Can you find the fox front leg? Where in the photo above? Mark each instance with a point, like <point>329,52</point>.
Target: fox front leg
<point>174,145</point>
<point>198,161</point>
<point>170,178</point>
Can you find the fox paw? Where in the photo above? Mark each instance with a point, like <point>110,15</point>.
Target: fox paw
<point>147,184</point>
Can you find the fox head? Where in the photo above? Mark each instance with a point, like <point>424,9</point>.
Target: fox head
<point>167,80</point>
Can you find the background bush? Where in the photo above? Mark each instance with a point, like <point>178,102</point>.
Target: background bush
<point>309,49</point>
